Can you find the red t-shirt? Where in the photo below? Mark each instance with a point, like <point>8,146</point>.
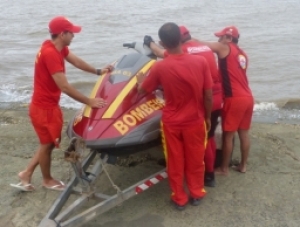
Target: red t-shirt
<point>195,48</point>
<point>46,94</point>
<point>184,78</point>
<point>233,73</point>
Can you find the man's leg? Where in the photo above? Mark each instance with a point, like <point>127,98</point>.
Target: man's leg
<point>194,149</point>
<point>42,157</point>
<point>210,152</point>
<point>26,175</point>
<point>226,153</point>
<point>245,147</point>
<point>244,134</point>
<point>45,152</point>
<point>173,148</point>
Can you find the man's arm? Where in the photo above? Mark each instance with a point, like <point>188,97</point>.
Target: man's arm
<point>157,50</point>
<point>140,77</point>
<point>62,82</point>
<point>149,83</point>
<point>222,50</point>
<point>80,64</point>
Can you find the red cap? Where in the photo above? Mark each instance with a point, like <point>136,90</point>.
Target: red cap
<point>185,33</point>
<point>231,30</point>
<point>61,24</point>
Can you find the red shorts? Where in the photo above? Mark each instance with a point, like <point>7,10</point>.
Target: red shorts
<point>47,123</point>
<point>237,113</point>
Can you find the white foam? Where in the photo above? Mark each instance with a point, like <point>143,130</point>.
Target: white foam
<point>67,102</point>
<point>10,93</point>
<point>265,106</point>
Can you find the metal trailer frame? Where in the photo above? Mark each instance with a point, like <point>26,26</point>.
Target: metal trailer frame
<point>80,183</point>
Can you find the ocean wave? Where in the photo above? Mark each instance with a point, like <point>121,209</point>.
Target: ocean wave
<point>10,93</point>
<point>287,109</point>
<point>265,106</point>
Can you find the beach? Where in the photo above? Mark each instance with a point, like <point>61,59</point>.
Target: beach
<point>267,195</point>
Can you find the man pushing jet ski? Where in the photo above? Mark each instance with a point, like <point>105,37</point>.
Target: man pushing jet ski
<point>191,46</point>
<point>187,84</point>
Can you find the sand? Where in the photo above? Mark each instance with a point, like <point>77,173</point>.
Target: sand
<point>267,195</point>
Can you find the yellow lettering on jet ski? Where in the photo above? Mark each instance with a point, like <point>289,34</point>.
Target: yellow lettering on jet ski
<point>120,72</point>
<point>127,73</point>
<point>138,113</point>
<point>147,109</point>
<point>131,119</point>
<point>121,127</point>
<point>154,104</point>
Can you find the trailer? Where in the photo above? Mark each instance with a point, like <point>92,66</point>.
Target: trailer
<point>80,185</point>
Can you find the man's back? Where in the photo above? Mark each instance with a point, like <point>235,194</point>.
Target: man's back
<point>233,70</point>
<point>195,48</point>
<point>184,78</point>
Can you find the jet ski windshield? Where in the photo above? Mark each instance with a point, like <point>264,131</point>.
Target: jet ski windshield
<point>128,66</point>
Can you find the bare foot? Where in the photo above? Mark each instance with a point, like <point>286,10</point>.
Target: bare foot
<point>239,168</point>
<point>222,172</point>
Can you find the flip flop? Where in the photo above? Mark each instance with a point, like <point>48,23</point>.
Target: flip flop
<point>22,187</point>
<point>57,187</point>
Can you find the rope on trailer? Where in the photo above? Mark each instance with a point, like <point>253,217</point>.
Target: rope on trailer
<point>119,192</point>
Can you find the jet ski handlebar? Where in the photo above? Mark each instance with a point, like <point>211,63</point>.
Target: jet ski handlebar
<point>140,48</point>
<point>129,45</point>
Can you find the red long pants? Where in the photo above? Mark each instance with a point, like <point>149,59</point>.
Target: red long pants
<point>210,152</point>
<point>210,155</point>
<point>184,150</point>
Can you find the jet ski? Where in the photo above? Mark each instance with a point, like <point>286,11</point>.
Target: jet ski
<point>130,122</point>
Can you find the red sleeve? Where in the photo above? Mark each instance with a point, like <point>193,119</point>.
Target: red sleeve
<point>207,83</point>
<point>65,52</point>
<point>53,61</point>
<point>152,81</point>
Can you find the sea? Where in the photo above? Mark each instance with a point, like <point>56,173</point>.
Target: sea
<point>269,35</point>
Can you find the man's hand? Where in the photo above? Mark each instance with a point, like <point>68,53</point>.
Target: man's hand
<point>148,40</point>
<point>97,103</point>
<point>208,124</point>
<point>140,77</point>
<point>107,69</point>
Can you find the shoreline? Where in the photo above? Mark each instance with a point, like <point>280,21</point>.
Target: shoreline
<point>263,116</point>
<point>240,198</point>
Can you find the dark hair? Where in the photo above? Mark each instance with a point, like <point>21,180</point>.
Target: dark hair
<point>233,39</point>
<point>169,34</point>
<point>54,36</point>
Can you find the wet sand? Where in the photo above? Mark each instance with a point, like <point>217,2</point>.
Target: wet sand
<point>267,195</point>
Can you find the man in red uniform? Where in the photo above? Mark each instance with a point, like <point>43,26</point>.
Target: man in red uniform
<point>193,47</point>
<point>187,83</point>
<point>44,111</point>
<point>238,100</point>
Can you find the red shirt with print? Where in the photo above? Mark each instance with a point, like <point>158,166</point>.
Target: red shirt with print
<point>46,94</point>
<point>195,48</point>
<point>184,78</point>
<point>233,73</point>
